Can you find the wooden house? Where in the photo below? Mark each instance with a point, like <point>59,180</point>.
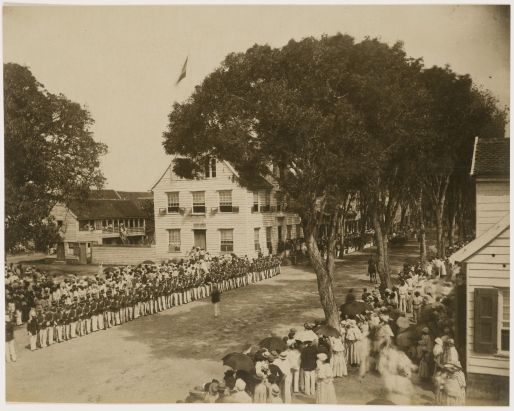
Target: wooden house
<point>486,264</point>
<point>216,214</point>
<point>100,220</point>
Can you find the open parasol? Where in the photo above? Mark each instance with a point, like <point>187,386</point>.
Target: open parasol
<point>306,335</point>
<point>354,308</point>
<point>273,344</point>
<point>327,330</point>
<point>238,361</point>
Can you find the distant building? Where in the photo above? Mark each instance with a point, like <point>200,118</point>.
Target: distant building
<point>218,215</point>
<point>485,305</point>
<point>109,217</point>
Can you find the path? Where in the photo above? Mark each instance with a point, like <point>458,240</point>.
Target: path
<point>159,358</point>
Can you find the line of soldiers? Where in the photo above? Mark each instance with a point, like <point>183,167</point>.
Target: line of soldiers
<point>97,304</point>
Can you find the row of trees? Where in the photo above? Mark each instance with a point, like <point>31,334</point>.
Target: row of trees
<point>50,157</point>
<point>340,119</point>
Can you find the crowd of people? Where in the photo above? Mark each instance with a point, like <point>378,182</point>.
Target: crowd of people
<point>57,311</point>
<point>391,335</point>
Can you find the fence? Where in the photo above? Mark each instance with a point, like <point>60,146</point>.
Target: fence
<point>126,254</point>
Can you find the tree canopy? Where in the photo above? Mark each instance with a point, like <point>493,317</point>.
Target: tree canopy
<point>50,155</point>
<point>335,116</point>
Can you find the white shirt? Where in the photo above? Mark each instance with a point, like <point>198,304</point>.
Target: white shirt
<point>284,365</point>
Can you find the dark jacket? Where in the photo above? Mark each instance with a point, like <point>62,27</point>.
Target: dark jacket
<point>216,296</point>
<point>32,326</point>
<point>309,357</point>
<point>9,331</point>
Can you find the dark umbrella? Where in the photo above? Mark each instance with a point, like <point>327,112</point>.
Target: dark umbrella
<point>238,361</point>
<point>326,330</point>
<point>273,344</point>
<point>148,262</point>
<point>109,269</point>
<point>354,308</point>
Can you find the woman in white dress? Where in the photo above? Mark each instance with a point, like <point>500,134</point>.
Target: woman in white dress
<point>338,357</point>
<point>325,391</point>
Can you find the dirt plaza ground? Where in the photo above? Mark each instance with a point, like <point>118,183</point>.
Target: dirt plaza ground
<point>159,358</point>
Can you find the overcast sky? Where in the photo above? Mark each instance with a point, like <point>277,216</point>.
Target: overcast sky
<point>123,62</point>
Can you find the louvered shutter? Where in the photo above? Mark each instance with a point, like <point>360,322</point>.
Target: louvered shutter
<point>486,320</point>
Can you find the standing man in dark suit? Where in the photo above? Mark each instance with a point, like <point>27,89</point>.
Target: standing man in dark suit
<point>216,299</point>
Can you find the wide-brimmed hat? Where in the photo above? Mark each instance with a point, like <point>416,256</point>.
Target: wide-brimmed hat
<point>275,390</point>
<point>438,341</point>
<point>322,356</point>
<point>213,388</point>
<point>283,354</point>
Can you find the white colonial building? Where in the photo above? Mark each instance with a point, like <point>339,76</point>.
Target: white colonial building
<point>216,214</point>
<point>486,263</point>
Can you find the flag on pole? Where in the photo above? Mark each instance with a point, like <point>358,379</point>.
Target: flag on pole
<point>183,72</point>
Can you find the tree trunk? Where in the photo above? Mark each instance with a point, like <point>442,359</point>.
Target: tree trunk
<point>362,234</point>
<point>422,238</point>
<point>341,239</point>
<point>324,273</point>
<point>382,252</point>
<point>451,230</point>
<point>439,230</point>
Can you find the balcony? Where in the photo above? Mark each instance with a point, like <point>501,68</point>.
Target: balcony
<point>111,232</point>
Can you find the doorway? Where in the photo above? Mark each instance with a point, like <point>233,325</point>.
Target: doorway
<point>200,239</point>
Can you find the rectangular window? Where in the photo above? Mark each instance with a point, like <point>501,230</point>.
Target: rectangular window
<point>504,325</point>
<point>225,201</point>
<point>279,228</point>
<point>298,231</point>
<point>173,202</point>
<point>256,232</point>
<point>255,201</point>
<point>213,168</point>
<point>227,240</point>
<point>267,201</point>
<point>210,168</point>
<point>289,231</point>
<point>59,224</point>
<point>268,239</point>
<point>174,240</point>
<point>199,202</point>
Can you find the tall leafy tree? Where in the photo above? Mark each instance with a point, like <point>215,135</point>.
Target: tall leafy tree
<point>50,156</point>
<point>325,111</point>
<point>457,111</point>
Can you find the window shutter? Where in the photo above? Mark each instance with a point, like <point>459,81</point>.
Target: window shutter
<point>486,320</point>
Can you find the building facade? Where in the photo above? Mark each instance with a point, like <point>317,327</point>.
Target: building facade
<point>216,214</point>
<point>105,219</point>
<point>486,264</point>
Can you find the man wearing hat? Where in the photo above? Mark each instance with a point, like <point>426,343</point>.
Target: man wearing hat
<point>94,313</point>
<point>32,328</point>
<point>224,394</point>
<point>10,350</point>
<point>275,395</point>
<point>100,308</point>
<point>58,321</point>
<point>41,326</point>
<point>80,317</point>
<point>260,393</point>
<point>308,365</point>
<point>72,318</point>
<point>285,366</point>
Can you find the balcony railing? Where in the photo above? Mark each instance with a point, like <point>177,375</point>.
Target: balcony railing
<point>112,230</point>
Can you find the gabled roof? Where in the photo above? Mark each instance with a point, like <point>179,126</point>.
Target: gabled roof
<point>259,183</point>
<point>491,157</point>
<point>104,195</point>
<point>469,249</point>
<point>137,197</point>
<point>106,209</point>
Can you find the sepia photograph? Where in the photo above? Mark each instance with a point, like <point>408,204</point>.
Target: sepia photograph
<point>270,204</point>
